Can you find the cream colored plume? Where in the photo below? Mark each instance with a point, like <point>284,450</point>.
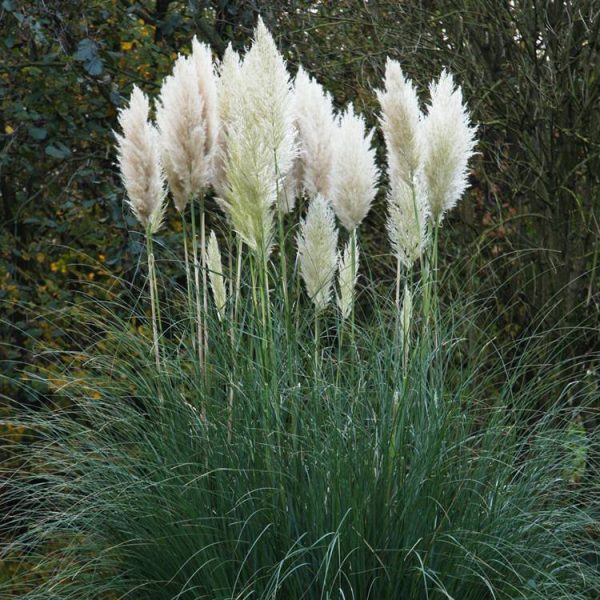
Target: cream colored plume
<point>401,123</point>
<point>139,162</point>
<point>316,128</point>
<point>347,277</point>
<point>215,275</point>
<point>187,121</point>
<point>406,220</point>
<point>259,140</point>
<point>448,142</point>
<point>206,82</point>
<point>317,256</point>
<point>228,86</point>
<point>354,172</point>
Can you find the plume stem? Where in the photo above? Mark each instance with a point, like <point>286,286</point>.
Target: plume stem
<point>153,297</point>
<point>398,277</point>
<point>353,242</point>
<point>317,342</point>
<point>281,236</point>
<point>188,275</point>
<point>200,343</point>
<point>204,269</point>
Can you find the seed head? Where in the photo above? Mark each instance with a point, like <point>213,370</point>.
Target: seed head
<point>354,172</point>
<point>448,142</point>
<point>347,277</point>
<point>139,162</point>
<point>259,140</point>
<point>400,122</point>
<point>316,125</point>
<point>317,242</point>
<point>187,120</point>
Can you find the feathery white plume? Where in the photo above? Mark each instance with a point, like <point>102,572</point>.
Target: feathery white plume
<point>206,82</point>
<point>448,143</point>
<point>347,276</point>
<point>259,141</point>
<point>316,126</point>
<point>139,162</point>
<point>354,172</point>
<point>317,242</point>
<point>406,220</point>
<point>228,86</point>
<point>215,274</point>
<point>401,123</point>
<point>186,118</point>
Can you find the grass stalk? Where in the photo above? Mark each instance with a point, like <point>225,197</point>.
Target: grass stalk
<point>197,293</point>
<point>153,298</point>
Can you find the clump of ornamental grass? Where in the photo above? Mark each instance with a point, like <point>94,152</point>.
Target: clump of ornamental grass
<point>408,478</point>
<point>249,448</point>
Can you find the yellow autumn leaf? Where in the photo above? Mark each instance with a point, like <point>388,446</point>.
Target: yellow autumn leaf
<point>8,130</point>
<point>126,46</point>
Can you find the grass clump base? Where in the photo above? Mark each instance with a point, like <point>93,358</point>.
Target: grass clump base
<point>436,479</point>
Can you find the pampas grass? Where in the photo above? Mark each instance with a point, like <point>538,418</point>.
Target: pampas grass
<point>354,173</point>
<point>317,256</point>
<point>316,130</point>
<point>438,478</point>
<point>140,164</point>
<point>266,458</point>
<point>448,142</point>
<point>347,277</point>
<point>142,175</point>
<point>215,275</point>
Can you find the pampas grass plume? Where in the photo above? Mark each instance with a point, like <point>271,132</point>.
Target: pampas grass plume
<point>347,277</point>
<point>228,84</point>
<point>215,275</point>
<point>259,140</point>
<point>187,123</point>
<point>406,222</point>
<point>401,123</point>
<point>317,243</point>
<point>354,172</point>
<point>206,84</point>
<point>448,142</point>
<point>139,162</point>
<point>316,127</point>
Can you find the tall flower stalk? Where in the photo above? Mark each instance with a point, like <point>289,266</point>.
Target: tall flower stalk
<point>258,151</point>
<point>401,123</point>
<point>354,177</point>
<point>142,176</point>
<point>317,257</point>
<point>187,116</point>
<point>447,144</point>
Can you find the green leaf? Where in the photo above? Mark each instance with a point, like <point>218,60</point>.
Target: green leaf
<point>57,151</point>
<point>87,50</point>
<point>94,67</point>
<point>38,133</point>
